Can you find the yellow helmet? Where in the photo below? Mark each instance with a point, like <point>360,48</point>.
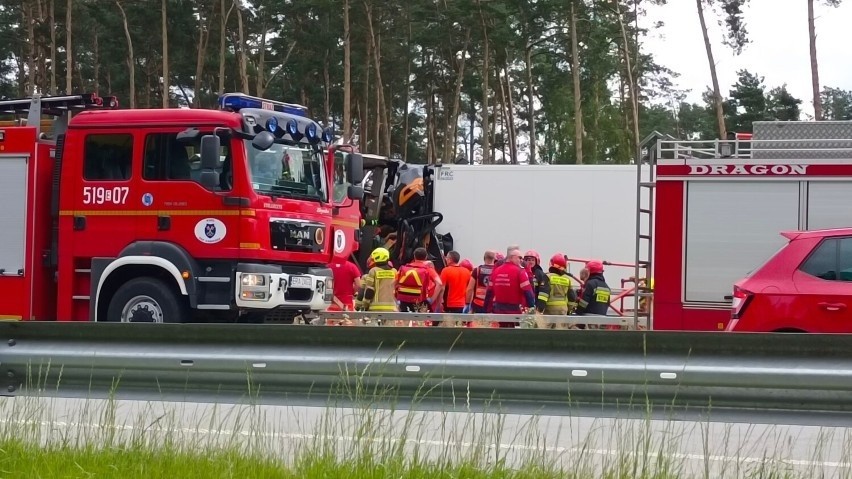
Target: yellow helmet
<point>380,255</point>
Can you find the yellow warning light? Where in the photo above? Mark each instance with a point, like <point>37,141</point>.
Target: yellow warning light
<point>185,275</point>
<point>720,326</point>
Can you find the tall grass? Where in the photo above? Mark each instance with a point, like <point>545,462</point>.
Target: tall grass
<point>369,437</point>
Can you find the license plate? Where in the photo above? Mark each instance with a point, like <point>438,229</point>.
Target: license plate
<point>301,282</point>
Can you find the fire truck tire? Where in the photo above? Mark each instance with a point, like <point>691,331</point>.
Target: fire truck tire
<point>148,300</point>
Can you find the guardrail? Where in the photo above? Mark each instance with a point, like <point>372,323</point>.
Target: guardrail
<point>541,321</point>
<point>455,367</point>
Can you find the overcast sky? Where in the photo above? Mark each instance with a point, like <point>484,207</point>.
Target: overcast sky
<point>778,30</point>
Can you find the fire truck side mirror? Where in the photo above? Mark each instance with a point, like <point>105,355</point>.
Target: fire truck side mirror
<point>355,193</point>
<point>355,168</point>
<point>263,140</point>
<point>210,145</point>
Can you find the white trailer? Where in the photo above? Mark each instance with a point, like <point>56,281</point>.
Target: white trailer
<point>583,211</point>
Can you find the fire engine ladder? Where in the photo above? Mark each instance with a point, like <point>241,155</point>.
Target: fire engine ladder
<point>59,107</point>
<point>646,184</point>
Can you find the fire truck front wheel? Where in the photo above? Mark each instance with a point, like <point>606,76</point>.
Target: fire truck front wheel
<point>147,300</point>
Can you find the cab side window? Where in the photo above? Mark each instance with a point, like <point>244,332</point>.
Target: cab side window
<point>167,159</point>
<point>341,181</point>
<point>108,157</point>
<point>831,260</point>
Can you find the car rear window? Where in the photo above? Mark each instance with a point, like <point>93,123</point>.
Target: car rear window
<point>831,260</point>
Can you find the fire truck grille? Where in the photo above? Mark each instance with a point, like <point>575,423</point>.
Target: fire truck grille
<point>304,237</point>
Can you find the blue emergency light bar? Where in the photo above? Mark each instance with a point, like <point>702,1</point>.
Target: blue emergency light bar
<point>237,101</point>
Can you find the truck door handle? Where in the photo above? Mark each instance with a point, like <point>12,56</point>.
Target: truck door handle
<point>832,306</point>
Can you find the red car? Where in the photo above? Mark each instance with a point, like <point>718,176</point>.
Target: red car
<point>805,287</point>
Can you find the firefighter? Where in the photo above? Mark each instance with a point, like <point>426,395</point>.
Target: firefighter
<point>415,282</point>
<point>378,285</point>
<point>510,289</point>
<point>595,296</point>
<point>538,278</point>
<point>560,298</point>
<point>360,293</point>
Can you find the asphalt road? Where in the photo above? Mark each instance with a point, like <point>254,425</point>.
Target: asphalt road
<point>728,444</point>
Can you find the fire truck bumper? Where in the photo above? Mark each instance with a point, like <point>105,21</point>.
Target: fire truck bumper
<point>274,290</point>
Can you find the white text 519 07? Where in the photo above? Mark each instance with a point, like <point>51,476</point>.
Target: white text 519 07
<point>100,195</point>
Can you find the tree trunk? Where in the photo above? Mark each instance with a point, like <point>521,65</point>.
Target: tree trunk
<point>450,143</point>
<point>261,62</point>
<point>717,94</point>
<point>494,116</point>
<point>814,63</point>
<point>380,88</point>
<point>408,61</point>
<point>97,72</point>
<point>52,10</point>
<point>429,145</point>
<point>347,75</point>
<point>326,77</point>
<point>510,113</point>
<point>42,80</point>
<point>166,81</point>
<point>531,102</point>
<point>29,17</point>
<point>243,65</point>
<point>487,156</point>
<point>131,62</point>
<point>203,38</point>
<point>578,102</point>
<point>364,121</point>
<point>223,32</point>
<point>631,84</point>
<point>486,122</point>
<point>69,58</point>
<point>503,113</point>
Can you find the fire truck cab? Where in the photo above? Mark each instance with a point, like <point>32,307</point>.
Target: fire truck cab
<point>166,215</point>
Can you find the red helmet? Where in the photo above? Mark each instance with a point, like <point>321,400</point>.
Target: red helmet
<point>466,264</point>
<point>533,253</point>
<point>558,261</point>
<point>595,266</point>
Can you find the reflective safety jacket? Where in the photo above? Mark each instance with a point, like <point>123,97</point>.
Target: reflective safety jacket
<point>481,276</point>
<point>559,297</point>
<point>412,284</point>
<point>378,289</point>
<point>595,296</point>
<point>540,284</point>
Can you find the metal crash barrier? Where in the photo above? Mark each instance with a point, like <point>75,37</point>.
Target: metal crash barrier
<point>451,320</point>
<point>459,368</point>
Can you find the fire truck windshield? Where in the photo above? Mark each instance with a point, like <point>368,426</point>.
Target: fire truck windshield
<point>287,171</point>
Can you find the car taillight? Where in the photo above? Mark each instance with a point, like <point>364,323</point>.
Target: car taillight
<point>741,299</point>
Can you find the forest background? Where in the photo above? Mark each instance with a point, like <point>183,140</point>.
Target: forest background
<point>421,80</point>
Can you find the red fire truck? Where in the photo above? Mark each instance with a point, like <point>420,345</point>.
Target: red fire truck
<point>166,215</point>
<point>710,212</point>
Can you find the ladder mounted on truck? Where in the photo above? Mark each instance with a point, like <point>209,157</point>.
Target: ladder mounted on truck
<point>646,181</point>
<point>59,107</point>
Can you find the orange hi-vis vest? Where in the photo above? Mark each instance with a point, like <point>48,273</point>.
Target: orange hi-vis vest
<point>413,284</point>
<point>483,275</point>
